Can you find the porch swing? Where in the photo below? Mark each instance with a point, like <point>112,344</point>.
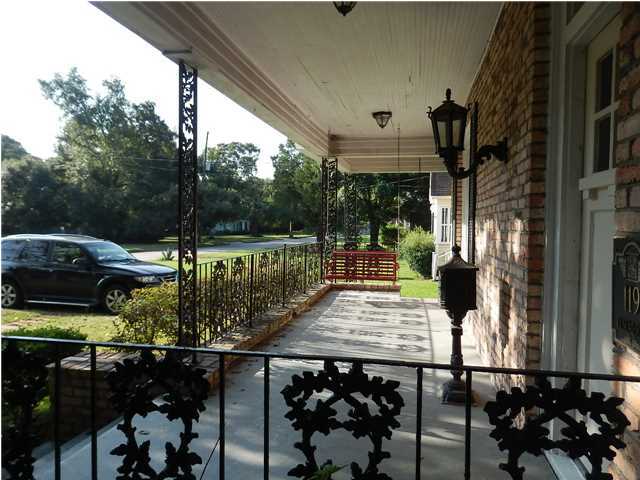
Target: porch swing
<point>350,264</point>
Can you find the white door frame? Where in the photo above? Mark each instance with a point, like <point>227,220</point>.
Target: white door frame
<point>564,169</point>
<point>563,198</point>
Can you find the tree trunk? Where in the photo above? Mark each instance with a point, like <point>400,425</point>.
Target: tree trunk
<point>374,230</point>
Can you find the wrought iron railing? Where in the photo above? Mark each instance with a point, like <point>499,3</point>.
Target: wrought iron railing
<point>166,381</point>
<point>234,291</point>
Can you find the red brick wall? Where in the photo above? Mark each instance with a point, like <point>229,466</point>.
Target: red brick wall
<point>627,362</point>
<point>511,89</point>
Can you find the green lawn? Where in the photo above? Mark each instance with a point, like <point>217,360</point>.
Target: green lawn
<point>172,242</point>
<point>208,257</point>
<point>413,285</point>
<point>96,325</point>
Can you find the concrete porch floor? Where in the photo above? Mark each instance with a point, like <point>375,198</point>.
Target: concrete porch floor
<point>351,323</point>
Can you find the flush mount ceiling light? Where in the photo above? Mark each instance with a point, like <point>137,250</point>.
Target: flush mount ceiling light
<point>382,118</point>
<point>344,7</point>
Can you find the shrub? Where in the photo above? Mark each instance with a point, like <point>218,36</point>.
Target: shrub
<point>47,350</point>
<point>416,248</point>
<point>389,234</point>
<point>167,255</point>
<point>150,316</point>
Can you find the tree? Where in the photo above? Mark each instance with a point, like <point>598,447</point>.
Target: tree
<point>296,188</point>
<point>34,197</point>
<point>120,156</point>
<point>378,200</point>
<point>12,149</point>
<point>414,202</point>
<point>230,189</point>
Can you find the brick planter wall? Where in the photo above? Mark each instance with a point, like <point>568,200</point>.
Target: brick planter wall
<point>511,89</point>
<point>627,362</point>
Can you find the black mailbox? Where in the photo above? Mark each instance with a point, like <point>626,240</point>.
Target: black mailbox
<point>457,284</point>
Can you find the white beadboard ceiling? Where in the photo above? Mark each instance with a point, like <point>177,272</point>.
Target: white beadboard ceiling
<point>317,76</point>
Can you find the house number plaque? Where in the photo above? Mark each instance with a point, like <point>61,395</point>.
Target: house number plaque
<point>626,290</point>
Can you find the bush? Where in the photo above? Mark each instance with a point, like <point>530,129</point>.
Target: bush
<point>47,350</point>
<point>389,234</point>
<point>416,248</point>
<point>150,316</point>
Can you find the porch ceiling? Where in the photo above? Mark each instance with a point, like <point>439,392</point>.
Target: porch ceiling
<point>317,76</point>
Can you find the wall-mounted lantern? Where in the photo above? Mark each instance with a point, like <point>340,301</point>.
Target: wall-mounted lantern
<point>382,118</point>
<point>344,7</point>
<point>457,297</point>
<point>449,122</point>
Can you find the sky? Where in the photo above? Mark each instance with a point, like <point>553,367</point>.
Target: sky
<point>39,39</point>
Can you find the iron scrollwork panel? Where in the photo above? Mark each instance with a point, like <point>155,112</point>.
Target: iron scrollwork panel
<point>237,300</point>
<point>261,283</point>
<point>331,237</point>
<point>135,385</point>
<point>350,213</point>
<point>187,205</point>
<point>343,387</point>
<point>24,384</point>
<point>295,270</point>
<point>313,263</point>
<point>557,404</point>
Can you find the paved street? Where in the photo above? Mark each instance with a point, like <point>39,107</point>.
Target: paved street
<point>233,247</point>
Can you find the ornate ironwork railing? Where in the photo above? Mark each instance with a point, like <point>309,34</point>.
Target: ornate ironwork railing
<point>163,381</point>
<point>234,291</point>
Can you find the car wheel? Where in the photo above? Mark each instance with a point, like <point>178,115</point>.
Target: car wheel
<point>114,298</point>
<point>11,295</point>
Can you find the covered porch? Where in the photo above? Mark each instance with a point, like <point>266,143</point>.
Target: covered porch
<point>318,77</point>
<point>430,441</point>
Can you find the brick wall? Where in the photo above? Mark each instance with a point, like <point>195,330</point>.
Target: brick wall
<point>627,362</point>
<point>511,89</point>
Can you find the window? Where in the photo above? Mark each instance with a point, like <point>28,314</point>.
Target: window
<point>35,251</point>
<point>66,253</point>
<point>11,249</point>
<point>603,114</point>
<point>108,252</point>
<point>445,225</point>
<point>600,101</point>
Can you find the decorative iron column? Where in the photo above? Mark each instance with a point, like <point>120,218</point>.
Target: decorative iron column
<point>187,206</point>
<point>350,213</point>
<point>331,236</point>
<point>323,200</point>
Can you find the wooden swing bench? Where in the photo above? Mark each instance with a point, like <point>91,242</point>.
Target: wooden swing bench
<point>361,265</point>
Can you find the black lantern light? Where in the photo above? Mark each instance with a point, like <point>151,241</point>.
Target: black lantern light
<point>382,118</point>
<point>344,7</point>
<point>449,122</point>
<point>457,297</point>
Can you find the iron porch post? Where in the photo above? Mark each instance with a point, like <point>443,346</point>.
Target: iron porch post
<point>187,205</point>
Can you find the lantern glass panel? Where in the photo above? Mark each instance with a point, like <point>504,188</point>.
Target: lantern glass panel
<point>443,133</point>
<point>456,124</point>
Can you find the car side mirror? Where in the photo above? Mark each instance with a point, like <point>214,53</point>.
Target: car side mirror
<point>82,262</point>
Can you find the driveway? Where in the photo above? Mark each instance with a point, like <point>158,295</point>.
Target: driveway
<point>232,247</point>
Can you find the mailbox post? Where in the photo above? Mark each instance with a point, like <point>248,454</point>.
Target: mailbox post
<point>457,297</point>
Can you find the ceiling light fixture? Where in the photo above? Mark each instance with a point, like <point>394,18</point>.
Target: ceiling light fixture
<point>382,118</point>
<point>344,7</point>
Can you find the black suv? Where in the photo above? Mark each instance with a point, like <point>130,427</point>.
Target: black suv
<point>73,270</point>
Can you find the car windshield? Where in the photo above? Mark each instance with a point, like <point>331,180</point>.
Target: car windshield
<point>107,252</point>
